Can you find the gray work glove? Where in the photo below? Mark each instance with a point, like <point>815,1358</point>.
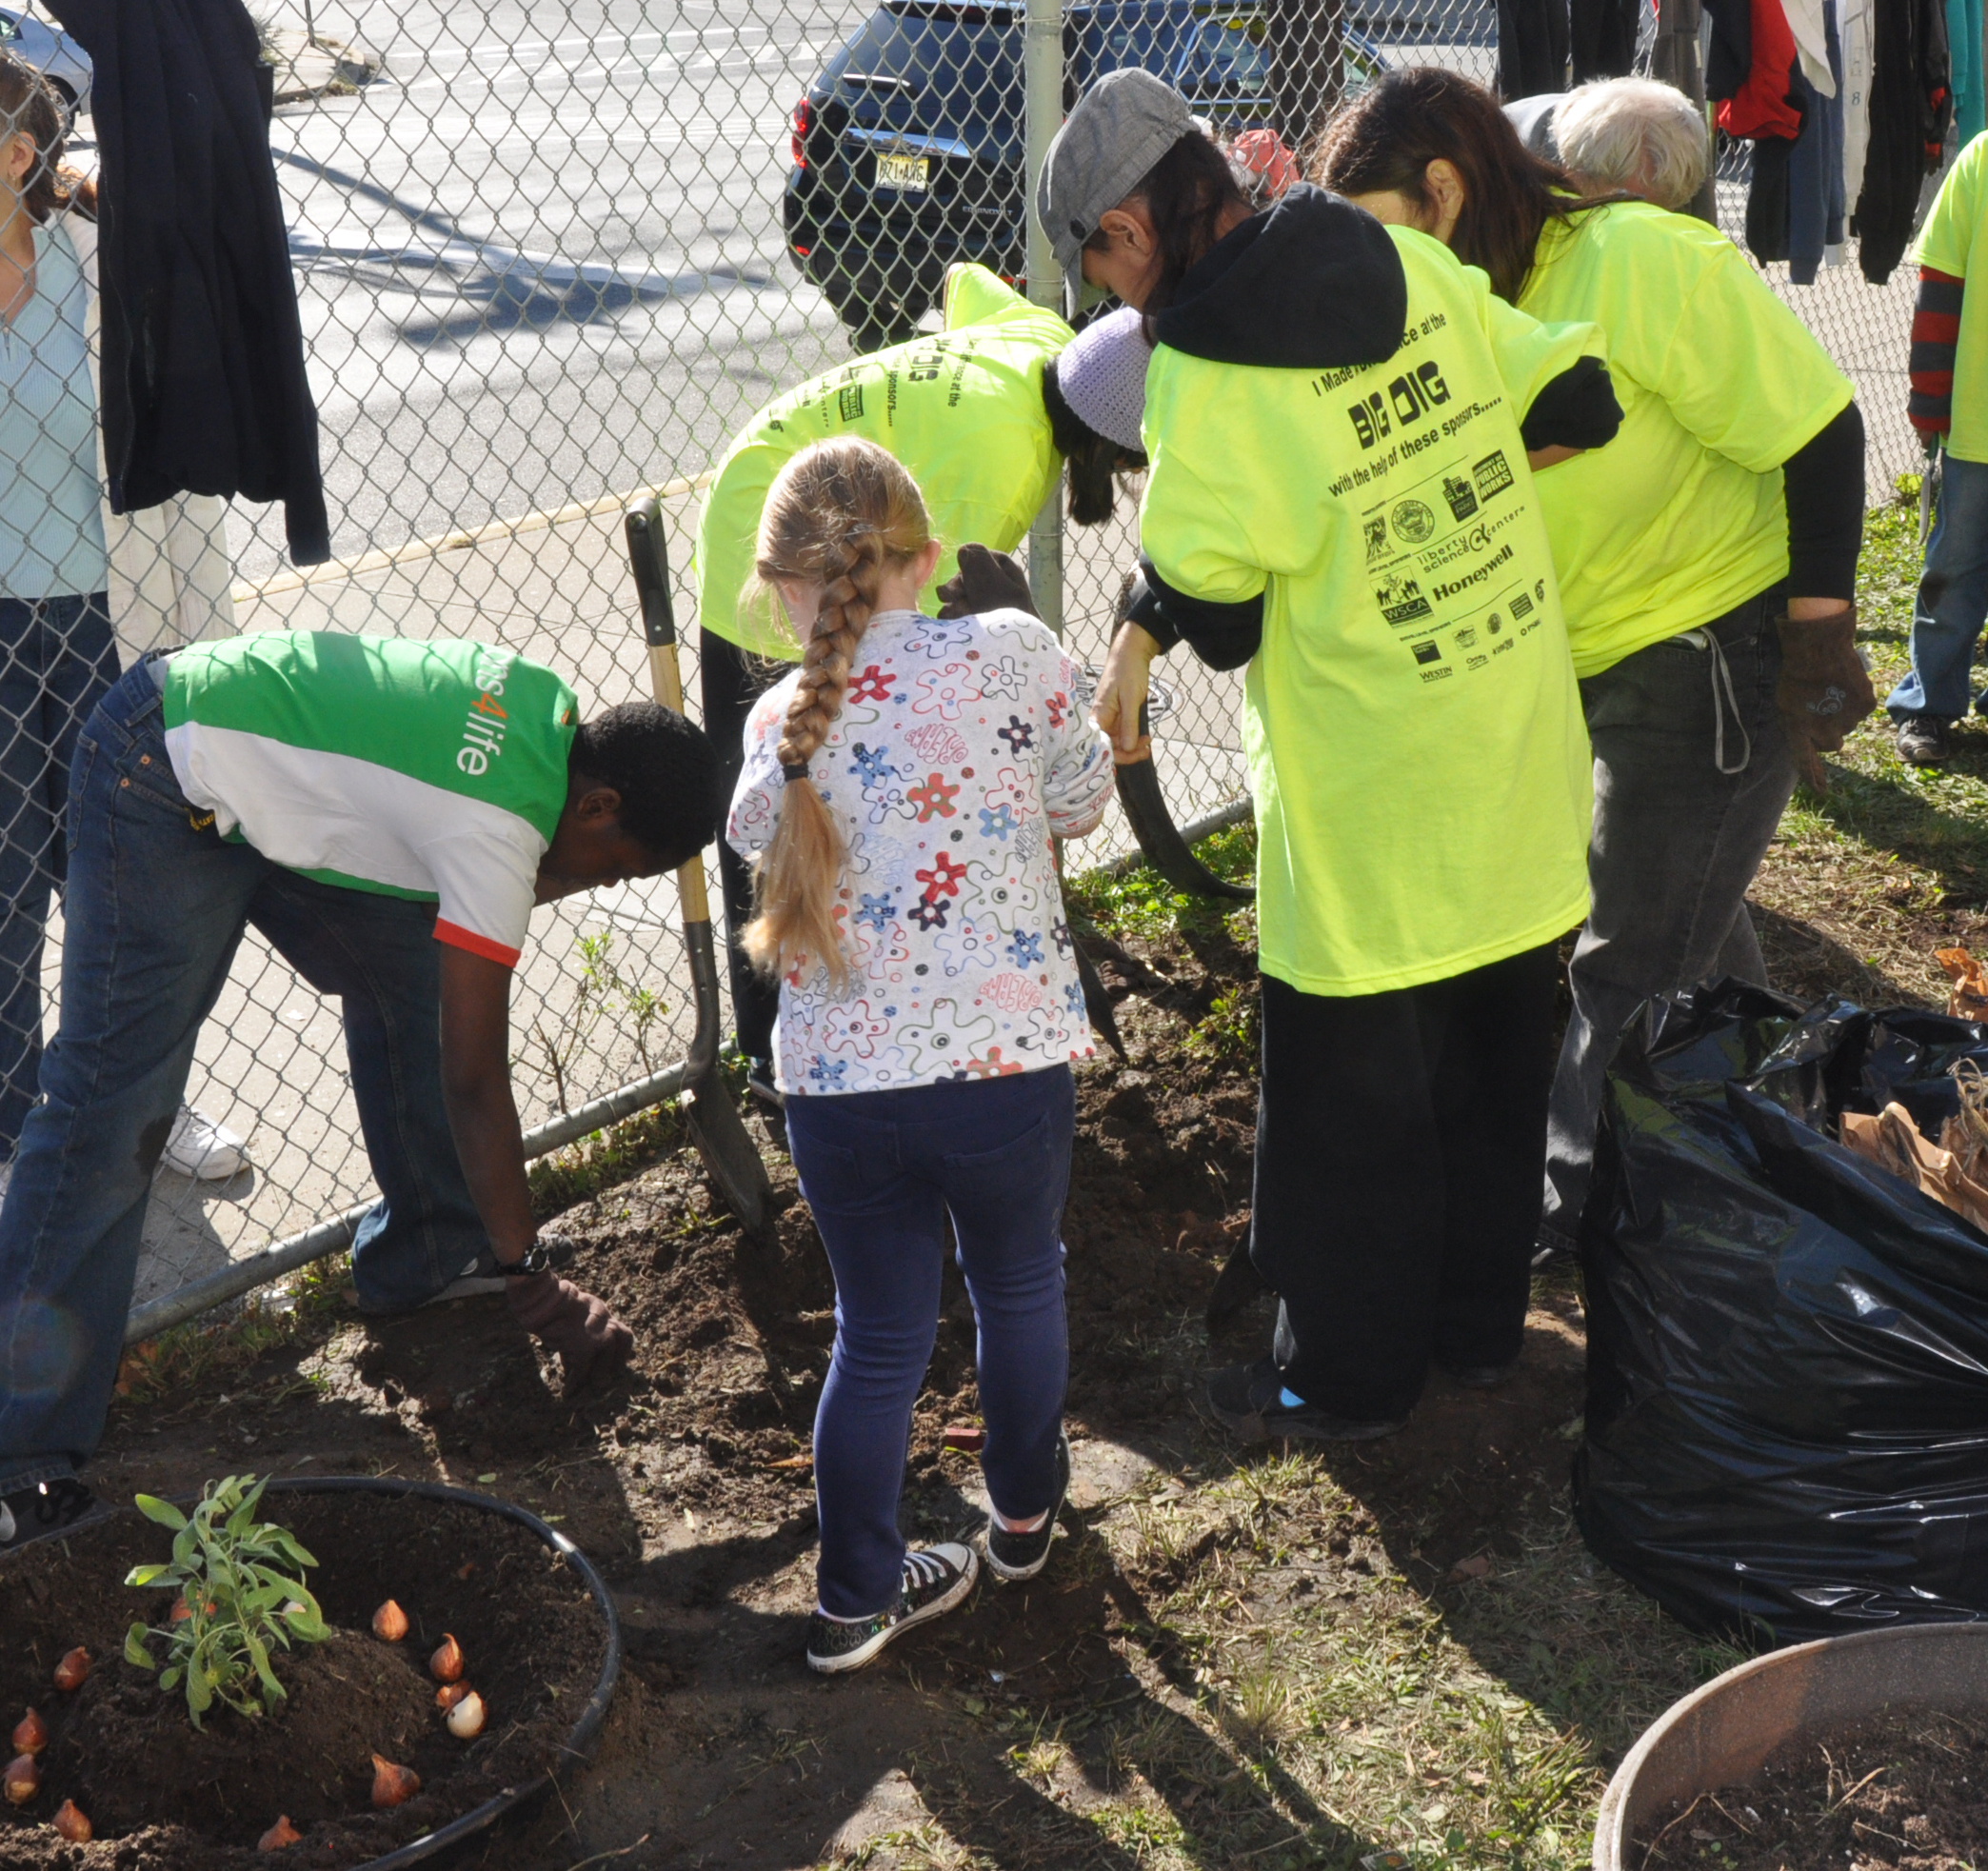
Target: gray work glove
<point>987,579</point>
<point>1824,690</point>
<point>590,1340</point>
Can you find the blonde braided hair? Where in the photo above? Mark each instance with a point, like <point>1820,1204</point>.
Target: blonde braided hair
<point>836,515</point>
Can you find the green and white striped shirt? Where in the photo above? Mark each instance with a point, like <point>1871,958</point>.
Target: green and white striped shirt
<point>433,770</point>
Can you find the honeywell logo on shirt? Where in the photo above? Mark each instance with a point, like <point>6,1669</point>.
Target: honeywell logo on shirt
<point>483,729</point>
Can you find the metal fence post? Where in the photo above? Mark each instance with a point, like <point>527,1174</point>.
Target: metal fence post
<point>1043,77</point>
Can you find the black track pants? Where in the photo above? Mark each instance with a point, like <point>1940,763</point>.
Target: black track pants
<point>1401,1138</point>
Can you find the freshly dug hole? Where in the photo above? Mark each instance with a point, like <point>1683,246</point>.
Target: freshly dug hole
<point>177,1800</point>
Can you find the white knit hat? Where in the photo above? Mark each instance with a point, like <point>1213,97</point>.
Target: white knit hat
<point>1101,373</point>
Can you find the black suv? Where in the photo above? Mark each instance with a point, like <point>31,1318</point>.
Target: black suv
<point>908,149</point>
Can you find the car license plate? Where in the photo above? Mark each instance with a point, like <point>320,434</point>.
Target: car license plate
<point>907,173</point>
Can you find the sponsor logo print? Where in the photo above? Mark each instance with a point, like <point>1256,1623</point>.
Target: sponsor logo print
<point>1461,496</point>
<point>1493,474</point>
<point>1429,650</point>
<point>1466,637</point>
<point>848,403</point>
<point>1401,599</point>
<point>1376,530</point>
<point>1521,606</point>
<point>1412,520</point>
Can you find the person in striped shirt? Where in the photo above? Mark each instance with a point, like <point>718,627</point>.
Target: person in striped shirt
<point>1949,408</point>
<point>386,813</point>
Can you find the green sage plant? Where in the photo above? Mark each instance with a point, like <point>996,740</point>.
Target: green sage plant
<point>241,1594</point>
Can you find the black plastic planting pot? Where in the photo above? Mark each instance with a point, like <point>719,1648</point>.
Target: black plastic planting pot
<point>578,1742</point>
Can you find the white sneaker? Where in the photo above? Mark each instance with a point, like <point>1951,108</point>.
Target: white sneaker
<point>199,1147</point>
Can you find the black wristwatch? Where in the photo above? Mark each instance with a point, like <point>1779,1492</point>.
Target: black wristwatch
<point>536,1259</point>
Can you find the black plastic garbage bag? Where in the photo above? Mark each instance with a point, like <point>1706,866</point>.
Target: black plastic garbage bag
<point>1786,1433</point>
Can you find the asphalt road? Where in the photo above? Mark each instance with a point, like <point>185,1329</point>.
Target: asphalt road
<point>539,259</point>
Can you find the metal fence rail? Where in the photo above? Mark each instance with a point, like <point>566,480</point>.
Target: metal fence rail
<point>547,257</point>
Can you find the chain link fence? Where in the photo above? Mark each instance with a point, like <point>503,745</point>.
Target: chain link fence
<point>553,254</point>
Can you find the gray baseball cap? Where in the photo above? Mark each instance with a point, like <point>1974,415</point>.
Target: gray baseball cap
<point>1119,129</point>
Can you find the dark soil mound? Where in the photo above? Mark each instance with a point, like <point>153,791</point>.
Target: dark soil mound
<point>164,1797</point>
<point>1906,1793</point>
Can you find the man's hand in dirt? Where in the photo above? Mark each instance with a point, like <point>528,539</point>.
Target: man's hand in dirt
<point>1121,692</point>
<point>985,580</point>
<point>590,1340</point>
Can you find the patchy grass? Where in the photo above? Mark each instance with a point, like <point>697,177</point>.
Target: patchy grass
<point>1864,883</point>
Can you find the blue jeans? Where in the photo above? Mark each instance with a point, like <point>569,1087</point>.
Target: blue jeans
<point>56,660</point>
<point>882,1170</point>
<point>1953,599</point>
<point>155,908</point>
<point>1692,772</point>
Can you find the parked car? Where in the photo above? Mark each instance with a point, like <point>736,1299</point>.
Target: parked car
<point>51,51</point>
<point>907,149</point>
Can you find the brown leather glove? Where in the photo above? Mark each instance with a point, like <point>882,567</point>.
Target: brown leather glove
<point>1824,691</point>
<point>590,1340</point>
<point>987,579</point>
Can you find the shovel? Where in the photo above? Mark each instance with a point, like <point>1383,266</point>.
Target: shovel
<point>716,1128</point>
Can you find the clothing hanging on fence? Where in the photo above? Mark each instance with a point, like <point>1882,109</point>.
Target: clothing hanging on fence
<point>1911,105</point>
<point>1964,24</point>
<point>1603,38</point>
<point>1807,21</point>
<point>203,382</point>
<point>1815,172</point>
<point>1856,23</point>
<point>1729,57</point>
<point>1759,103</point>
<point>1531,46</point>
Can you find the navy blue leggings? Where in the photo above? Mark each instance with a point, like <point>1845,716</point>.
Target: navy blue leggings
<point>882,1170</point>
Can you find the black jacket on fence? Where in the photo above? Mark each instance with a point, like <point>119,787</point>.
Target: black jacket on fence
<point>1911,106</point>
<point>1531,46</point>
<point>204,387</point>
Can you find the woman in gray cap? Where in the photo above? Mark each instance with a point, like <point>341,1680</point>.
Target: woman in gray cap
<point>987,413</point>
<point>1339,418</point>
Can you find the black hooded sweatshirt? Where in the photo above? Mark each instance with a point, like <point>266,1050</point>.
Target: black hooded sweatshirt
<point>203,386</point>
<point>1315,283</point>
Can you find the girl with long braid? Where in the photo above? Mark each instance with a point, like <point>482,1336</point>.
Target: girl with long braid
<point>901,792</point>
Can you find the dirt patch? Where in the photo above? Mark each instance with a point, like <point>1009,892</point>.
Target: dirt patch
<point>164,1797</point>
<point>1232,1652</point>
<point>1906,1792</point>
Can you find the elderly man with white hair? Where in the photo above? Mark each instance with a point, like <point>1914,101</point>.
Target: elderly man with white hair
<point>1631,136</point>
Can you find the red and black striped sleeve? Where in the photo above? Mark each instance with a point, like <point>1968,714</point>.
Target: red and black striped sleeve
<point>1936,330</point>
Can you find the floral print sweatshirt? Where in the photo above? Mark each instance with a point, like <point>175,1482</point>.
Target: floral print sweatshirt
<point>961,749</point>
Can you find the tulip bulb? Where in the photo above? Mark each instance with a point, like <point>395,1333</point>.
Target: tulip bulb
<point>280,1834</point>
<point>21,1780</point>
<point>31,1733</point>
<point>450,1695</point>
<point>390,1623</point>
<point>73,1824</point>
<point>446,1662</point>
<point>465,1720</point>
<point>393,1786</point>
<point>72,1672</point>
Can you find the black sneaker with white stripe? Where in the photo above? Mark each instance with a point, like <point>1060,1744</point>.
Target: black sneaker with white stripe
<point>1012,1555</point>
<point>46,1509</point>
<point>936,1579</point>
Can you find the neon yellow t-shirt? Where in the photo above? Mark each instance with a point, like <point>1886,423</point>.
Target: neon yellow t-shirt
<point>961,409</point>
<point>1957,216</point>
<point>1414,731</point>
<point>1681,516</point>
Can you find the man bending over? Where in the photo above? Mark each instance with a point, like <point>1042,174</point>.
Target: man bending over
<point>386,812</point>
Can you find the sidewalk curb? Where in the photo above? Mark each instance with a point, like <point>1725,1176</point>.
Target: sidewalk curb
<point>332,571</point>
